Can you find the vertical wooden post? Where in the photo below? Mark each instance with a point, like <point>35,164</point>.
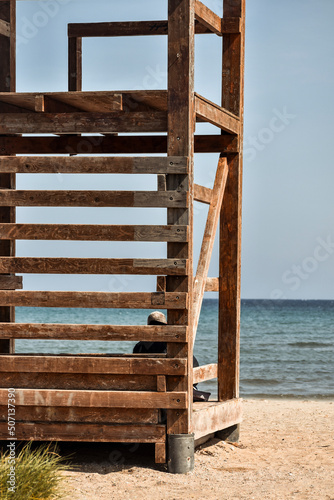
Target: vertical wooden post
<point>230,224</point>
<point>74,64</point>
<point>181,26</point>
<point>7,181</point>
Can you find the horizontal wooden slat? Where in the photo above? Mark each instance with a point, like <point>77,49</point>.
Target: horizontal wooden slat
<point>97,399</point>
<point>17,198</point>
<point>116,29</point>
<point>168,333</point>
<point>33,265</point>
<point>72,123</point>
<point>87,432</point>
<point>206,372</point>
<point>10,282</point>
<point>212,113</point>
<point>212,285</point>
<point>208,18</point>
<point>79,381</point>
<point>98,232</point>
<point>93,165</point>
<point>202,194</point>
<point>223,144</point>
<point>20,298</point>
<point>211,417</point>
<point>117,365</point>
<point>62,414</point>
<point>73,102</point>
<point>4,28</point>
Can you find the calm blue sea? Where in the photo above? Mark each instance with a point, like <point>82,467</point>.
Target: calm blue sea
<point>287,347</point>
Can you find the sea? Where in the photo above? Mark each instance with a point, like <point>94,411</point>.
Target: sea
<point>287,347</point>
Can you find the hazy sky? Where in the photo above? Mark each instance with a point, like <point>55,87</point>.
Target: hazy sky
<point>288,235</point>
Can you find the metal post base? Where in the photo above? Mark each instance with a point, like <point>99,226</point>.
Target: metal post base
<point>231,434</point>
<point>181,453</point>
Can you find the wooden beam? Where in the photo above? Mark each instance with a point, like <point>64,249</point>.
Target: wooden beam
<point>117,29</point>
<point>97,399</point>
<point>83,364</point>
<point>206,372</point>
<point>10,282</point>
<point>4,28</point>
<point>75,64</point>
<point>39,265</point>
<point>224,144</point>
<point>202,194</point>
<point>122,300</point>
<point>98,232</point>
<point>93,165</point>
<point>209,238</point>
<point>230,225</point>
<point>72,123</point>
<point>232,25</point>
<point>212,113</point>
<point>170,333</point>
<point>208,18</point>
<point>212,285</point>
<point>18,198</point>
<point>212,417</point>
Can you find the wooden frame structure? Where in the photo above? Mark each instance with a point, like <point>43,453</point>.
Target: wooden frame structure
<point>112,397</point>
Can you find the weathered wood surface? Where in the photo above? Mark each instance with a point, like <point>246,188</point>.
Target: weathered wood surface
<point>51,331</point>
<point>10,283</point>
<point>75,64</point>
<point>72,265</point>
<point>64,414</point>
<point>100,232</point>
<point>208,18</point>
<point>205,372</point>
<point>122,300</point>
<point>87,432</point>
<point>212,113</point>
<point>211,417</point>
<point>202,194</point>
<point>84,364</point>
<point>224,144</point>
<point>160,453</point>
<point>161,383</point>
<point>97,399</point>
<point>209,239</point>
<point>72,123</point>
<point>4,28</point>
<point>212,285</point>
<point>93,165</point>
<point>231,216</point>
<point>18,198</point>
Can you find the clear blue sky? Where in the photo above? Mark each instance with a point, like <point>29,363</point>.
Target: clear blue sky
<point>288,235</point>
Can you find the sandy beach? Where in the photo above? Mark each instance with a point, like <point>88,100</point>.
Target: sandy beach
<point>286,451</point>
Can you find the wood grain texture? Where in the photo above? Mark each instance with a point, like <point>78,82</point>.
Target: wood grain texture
<point>216,115</point>
<point>160,453</point>
<point>212,417</point>
<point>87,232</point>
<point>10,283</point>
<point>52,331</point>
<point>205,372</point>
<point>202,194</point>
<point>20,298</point>
<point>93,165</point>
<point>75,64</point>
<point>4,28</point>
<point>208,18</point>
<point>212,285</point>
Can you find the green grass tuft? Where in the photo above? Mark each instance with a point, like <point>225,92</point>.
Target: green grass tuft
<point>37,474</point>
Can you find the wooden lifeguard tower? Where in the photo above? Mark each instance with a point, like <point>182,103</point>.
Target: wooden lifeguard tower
<point>119,398</point>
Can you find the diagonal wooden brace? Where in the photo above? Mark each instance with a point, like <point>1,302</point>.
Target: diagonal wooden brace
<point>209,238</point>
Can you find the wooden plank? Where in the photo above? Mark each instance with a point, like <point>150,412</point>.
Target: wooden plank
<point>181,23</point>
<point>205,372</point>
<point>4,28</point>
<point>116,29</point>
<point>33,265</point>
<point>212,285</point>
<point>87,432</point>
<point>202,194</point>
<point>121,300</point>
<point>116,365</point>
<point>79,381</point>
<point>93,165</point>
<point>96,399</point>
<point>72,123</point>
<point>212,417</point>
<point>75,64</point>
<point>93,102</point>
<point>230,225</point>
<point>161,283</point>
<point>208,18</point>
<point>224,144</point>
<point>10,283</point>
<point>232,25</point>
<point>169,333</point>
<point>209,238</point>
<point>18,198</point>
<point>93,415</point>
<point>86,232</point>
<point>212,113</point>
<point>160,453</point>
<point>161,383</point>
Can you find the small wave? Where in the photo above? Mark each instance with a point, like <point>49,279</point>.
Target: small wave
<point>310,344</point>
<point>260,381</point>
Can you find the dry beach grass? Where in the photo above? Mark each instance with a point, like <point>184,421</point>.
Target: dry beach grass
<point>286,451</point>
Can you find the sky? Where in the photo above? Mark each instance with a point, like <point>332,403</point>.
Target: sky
<point>288,235</point>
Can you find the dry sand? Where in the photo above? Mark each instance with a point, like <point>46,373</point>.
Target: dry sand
<point>286,451</point>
